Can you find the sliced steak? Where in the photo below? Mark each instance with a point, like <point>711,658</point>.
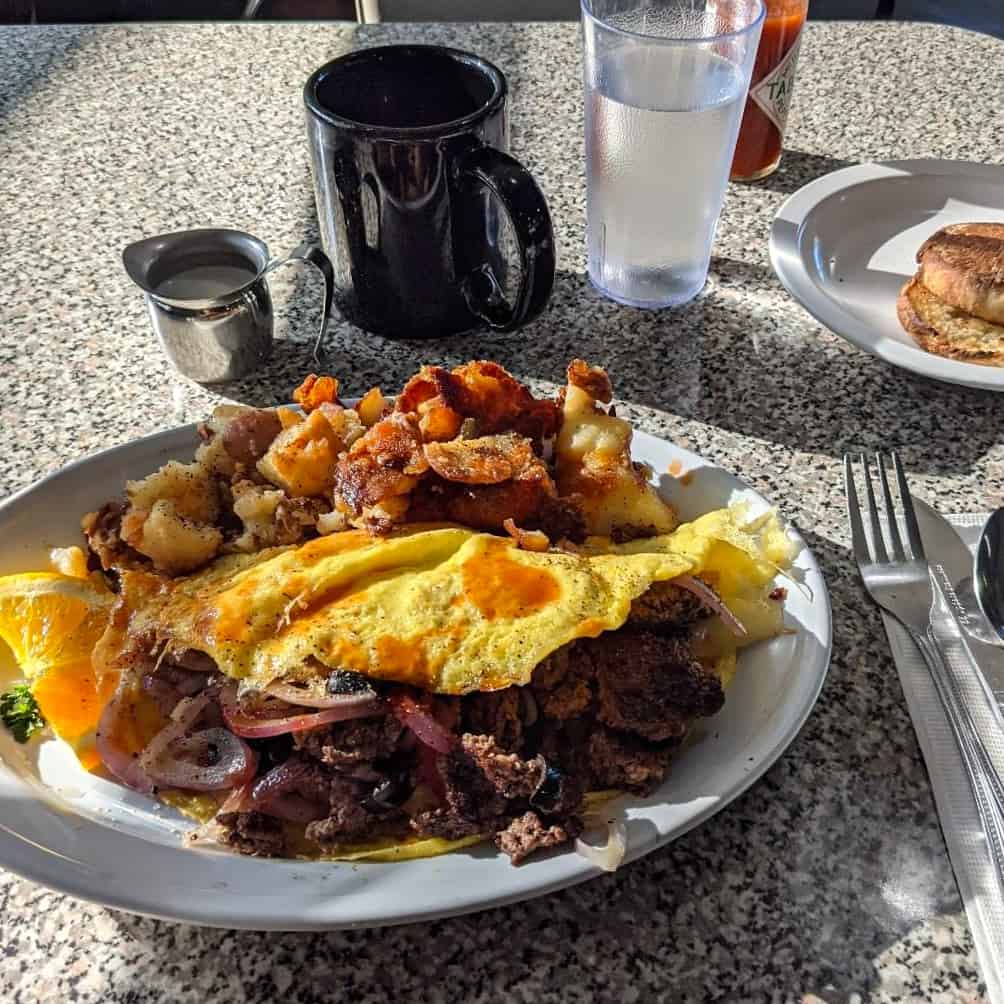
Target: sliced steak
<point>666,608</point>
<point>617,760</point>
<point>561,683</point>
<point>497,714</point>
<point>652,685</point>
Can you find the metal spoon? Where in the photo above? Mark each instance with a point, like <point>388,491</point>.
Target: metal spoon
<point>988,571</point>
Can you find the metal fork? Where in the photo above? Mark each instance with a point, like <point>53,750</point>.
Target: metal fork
<point>901,585</point>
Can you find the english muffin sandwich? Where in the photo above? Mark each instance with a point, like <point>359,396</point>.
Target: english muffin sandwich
<point>954,305</point>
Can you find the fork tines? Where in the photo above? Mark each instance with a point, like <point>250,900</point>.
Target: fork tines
<point>872,548</point>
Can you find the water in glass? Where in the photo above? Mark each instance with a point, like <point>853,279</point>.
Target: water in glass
<point>661,126</point>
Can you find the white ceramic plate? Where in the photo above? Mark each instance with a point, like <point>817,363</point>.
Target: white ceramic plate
<point>96,840</point>
<point>845,244</point>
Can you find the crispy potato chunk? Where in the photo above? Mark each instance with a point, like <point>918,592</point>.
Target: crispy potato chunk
<point>255,506</point>
<point>189,487</point>
<point>331,522</point>
<point>174,543</point>
<point>439,421</point>
<point>488,460</point>
<point>372,407</point>
<point>484,391</point>
<point>223,414</point>
<point>376,476</point>
<point>212,456</point>
<point>316,390</point>
<point>592,379</point>
<point>302,458</point>
<point>593,457</point>
<point>345,421</point>
<point>527,540</point>
<point>288,416</point>
<point>530,501</point>
<point>270,518</point>
<point>69,561</point>
<point>436,397</point>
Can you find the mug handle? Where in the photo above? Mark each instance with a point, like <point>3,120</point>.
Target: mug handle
<point>514,188</point>
<point>312,255</point>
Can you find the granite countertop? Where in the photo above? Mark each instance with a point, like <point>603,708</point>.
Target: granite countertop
<point>829,879</point>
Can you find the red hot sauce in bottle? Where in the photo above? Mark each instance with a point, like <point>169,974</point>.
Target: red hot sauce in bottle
<point>758,149</point>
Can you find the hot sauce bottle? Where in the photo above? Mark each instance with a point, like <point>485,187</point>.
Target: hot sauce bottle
<point>758,149</point>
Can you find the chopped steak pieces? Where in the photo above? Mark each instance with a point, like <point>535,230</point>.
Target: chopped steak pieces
<point>666,608</point>
<point>498,714</point>
<point>527,833</point>
<point>253,833</point>
<point>619,760</point>
<point>599,713</point>
<point>651,686</point>
<point>347,818</point>
<point>353,742</point>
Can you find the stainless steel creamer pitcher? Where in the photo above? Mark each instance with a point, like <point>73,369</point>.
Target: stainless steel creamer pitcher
<point>208,297</point>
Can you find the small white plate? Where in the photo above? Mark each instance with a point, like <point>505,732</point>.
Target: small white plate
<point>99,841</point>
<point>845,244</point>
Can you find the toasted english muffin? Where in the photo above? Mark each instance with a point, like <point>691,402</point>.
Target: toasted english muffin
<point>945,330</point>
<point>963,265</point>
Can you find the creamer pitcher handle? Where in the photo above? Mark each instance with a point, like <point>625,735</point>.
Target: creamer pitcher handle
<point>313,255</point>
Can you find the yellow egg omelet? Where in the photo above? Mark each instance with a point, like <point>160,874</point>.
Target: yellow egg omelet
<point>444,608</point>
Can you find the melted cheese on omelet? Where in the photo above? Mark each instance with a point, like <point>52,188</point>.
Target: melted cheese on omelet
<point>445,609</point>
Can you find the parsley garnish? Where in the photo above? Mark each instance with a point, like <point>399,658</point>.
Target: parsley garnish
<point>19,712</point>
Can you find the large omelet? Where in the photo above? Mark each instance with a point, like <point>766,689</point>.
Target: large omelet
<point>444,609</point>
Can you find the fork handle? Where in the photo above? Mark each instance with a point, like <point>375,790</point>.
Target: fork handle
<point>984,780</point>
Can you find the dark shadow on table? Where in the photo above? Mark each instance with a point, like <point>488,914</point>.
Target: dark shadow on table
<point>39,60</point>
<point>798,168</point>
<point>797,887</point>
<point>731,359</point>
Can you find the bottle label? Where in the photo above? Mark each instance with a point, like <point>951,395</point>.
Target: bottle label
<point>773,93</point>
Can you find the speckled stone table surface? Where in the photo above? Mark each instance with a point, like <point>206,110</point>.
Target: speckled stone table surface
<point>829,879</point>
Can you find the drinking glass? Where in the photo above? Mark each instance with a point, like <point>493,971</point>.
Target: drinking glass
<point>665,86</point>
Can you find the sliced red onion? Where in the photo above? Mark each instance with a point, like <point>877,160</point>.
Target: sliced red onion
<point>412,715</point>
<point>302,697</point>
<point>273,718</point>
<point>212,831</point>
<point>188,710</point>
<point>713,601</point>
<point>238,800</point>
<point>209,760</point>
<point>611,855</point>
<point>121,763</point>
<point>278,794</point>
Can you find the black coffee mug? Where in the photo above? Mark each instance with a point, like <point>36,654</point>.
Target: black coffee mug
<point>421,210</point>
